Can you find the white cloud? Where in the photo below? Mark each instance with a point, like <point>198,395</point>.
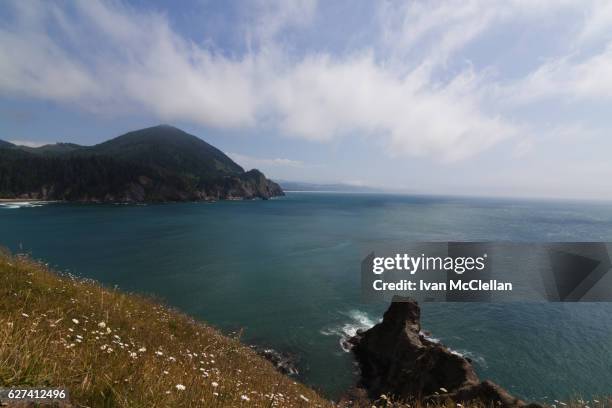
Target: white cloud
<point>441,28</point>
<point>28,143</point>
<point>565,77</point>
<point>250,162</point>
<point>322,97</point>
<point>598,19</point>
<point>106,56</point>
<point>35,66</point>
<point>271,17</point>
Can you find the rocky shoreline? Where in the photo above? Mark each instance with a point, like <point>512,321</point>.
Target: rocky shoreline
<point>283,362</point>
<point>398,361</point>
<point>246,186</point>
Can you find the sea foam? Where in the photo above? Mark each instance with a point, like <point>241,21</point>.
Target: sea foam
<point>22,204</point>
<point>358,321</point>
<point>478,359</point>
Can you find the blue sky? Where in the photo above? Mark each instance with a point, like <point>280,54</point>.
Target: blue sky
<point>476,97</point>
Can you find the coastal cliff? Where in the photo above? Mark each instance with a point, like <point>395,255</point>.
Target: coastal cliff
<point>156,164</point>
<point>396,359</point>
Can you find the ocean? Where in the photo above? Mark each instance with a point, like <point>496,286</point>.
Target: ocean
<point>285,273</point>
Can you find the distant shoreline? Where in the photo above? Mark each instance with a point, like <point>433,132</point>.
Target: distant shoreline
<point>335,191</point>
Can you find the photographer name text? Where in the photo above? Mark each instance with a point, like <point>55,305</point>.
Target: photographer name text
<point>414,264</point>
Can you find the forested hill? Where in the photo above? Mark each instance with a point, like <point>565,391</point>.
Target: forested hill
<point>160,163</point>
<point>4,144</point>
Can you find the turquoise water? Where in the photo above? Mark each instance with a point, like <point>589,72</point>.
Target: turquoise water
<point>287,272</point>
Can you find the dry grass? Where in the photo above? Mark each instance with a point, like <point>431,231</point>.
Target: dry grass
<point>112,349</point>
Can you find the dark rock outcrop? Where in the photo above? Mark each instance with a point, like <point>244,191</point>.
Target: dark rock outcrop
<point>396,359</point>
<point>248,185</point>
<point>284,363</point>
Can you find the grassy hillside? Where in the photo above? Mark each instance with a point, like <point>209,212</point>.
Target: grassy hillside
<point>115,349</point>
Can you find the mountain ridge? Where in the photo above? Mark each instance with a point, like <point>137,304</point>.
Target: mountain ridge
<point>5,144</point>
<point>155,164</point>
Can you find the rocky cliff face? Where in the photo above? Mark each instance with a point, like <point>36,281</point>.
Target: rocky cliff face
<point>249,185</point>
<point>396,359</point>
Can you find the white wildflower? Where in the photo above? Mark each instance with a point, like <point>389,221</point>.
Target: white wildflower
<point>180,387</point>
<point>214,384</point>
<point>102,325</point>
<point>25,315</point>
<point>244,398</point>
<point>75,321</point>
<point>304,398</point>
<point>142,349</point>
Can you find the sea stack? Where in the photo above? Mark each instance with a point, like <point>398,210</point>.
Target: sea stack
<point>396,359</point>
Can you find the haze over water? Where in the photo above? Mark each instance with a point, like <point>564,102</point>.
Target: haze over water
<point>287,272</point>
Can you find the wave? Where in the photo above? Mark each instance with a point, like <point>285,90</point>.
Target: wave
<point>358,321</point>
<point>471,356</point>
<point>476,358</point>
<point>22,204</point>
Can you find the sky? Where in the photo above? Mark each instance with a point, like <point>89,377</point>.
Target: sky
<point>471,97</point>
